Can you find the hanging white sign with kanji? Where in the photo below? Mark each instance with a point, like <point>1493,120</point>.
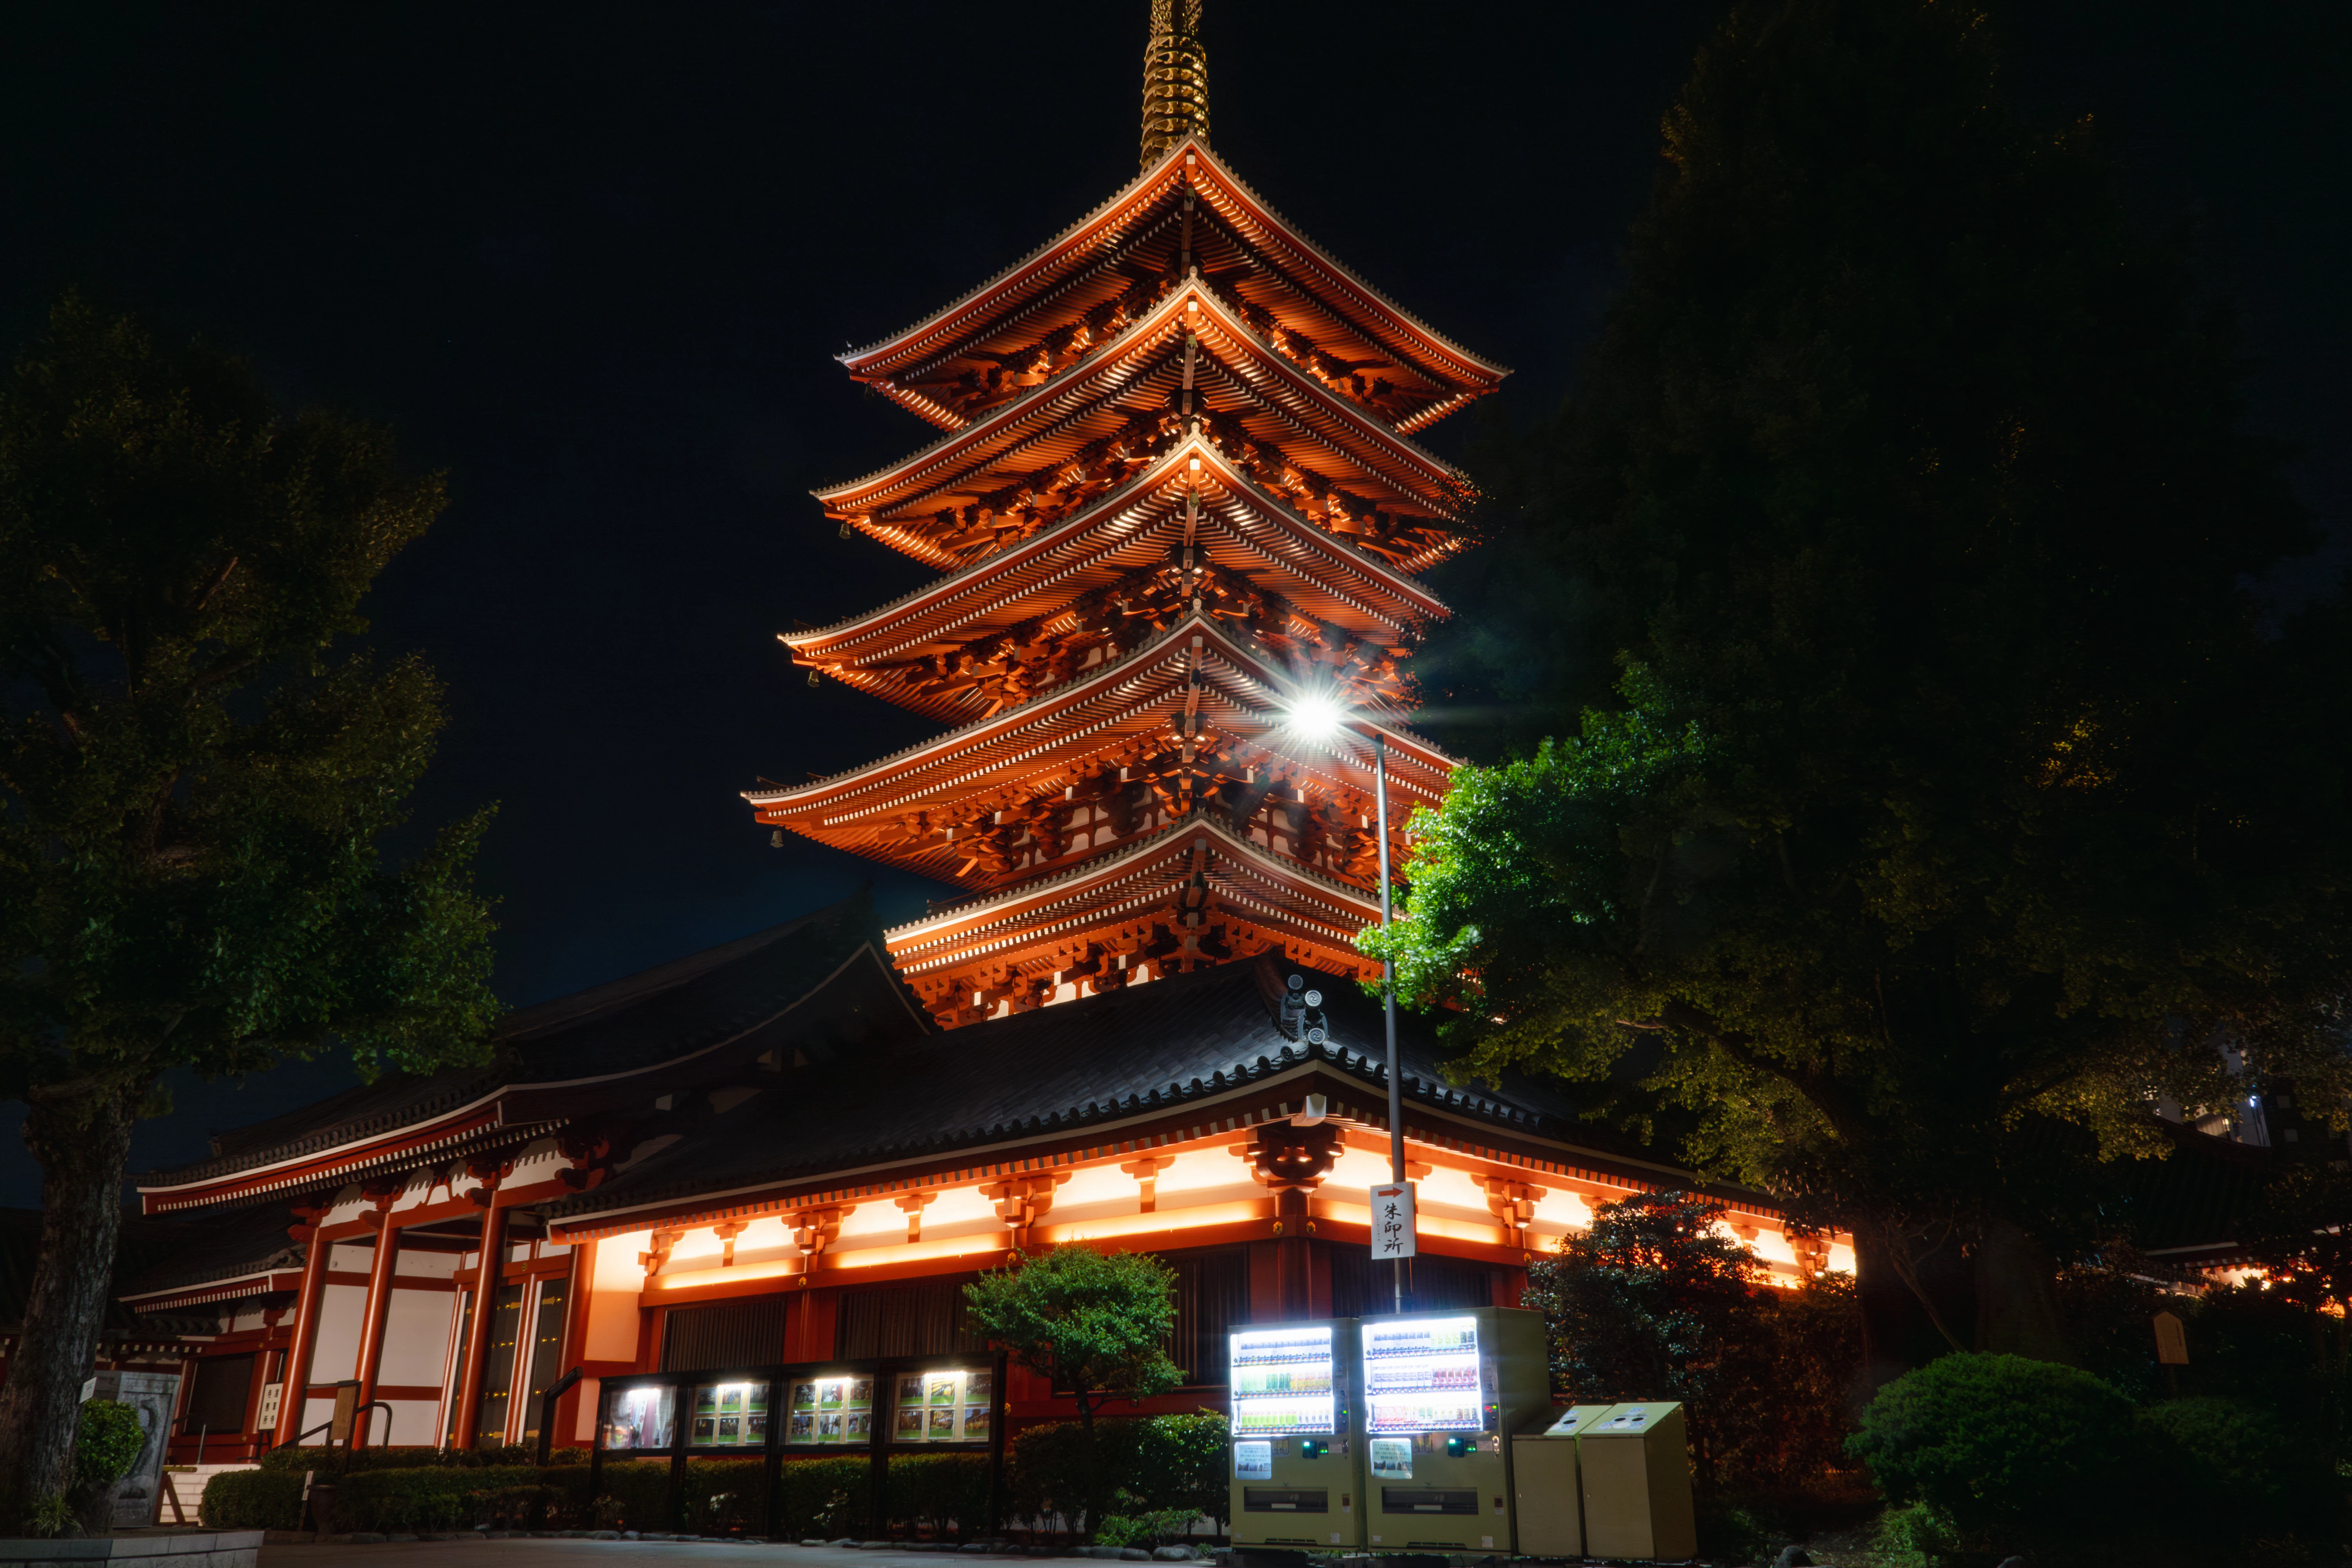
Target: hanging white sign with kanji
<point>1392,1227</point>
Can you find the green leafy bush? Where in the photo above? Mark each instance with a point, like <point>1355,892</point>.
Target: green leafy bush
<point>1181,1461</point>
<point>2017,1454</point>
<point>1162,1461</point>
<point>344,1461</point>
<point>640,1491</point>
<point>945,1493</point>
<point>265,1498</point>
<point>2227,1470</point>
<point>419,1497</point>
<point>50,1516</point>
<point>106,1442</point>
<point>824,1497</point>
<point>1914,1535</point>
<point>719,1495</point>
<point>1158,1526</point>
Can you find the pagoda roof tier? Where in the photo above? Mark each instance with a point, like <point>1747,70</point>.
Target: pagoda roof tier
<point>1197,879</point>
<point>1001,630</point>
<point>1027,314</point>
<point>1191,715</point>
<point>1087,427</point>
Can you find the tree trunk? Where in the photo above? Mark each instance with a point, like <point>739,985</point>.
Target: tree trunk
<point>2017,1296</point>
<point>83,1145</point>
<point>1093,1515</point>
<point>1899,1330</point>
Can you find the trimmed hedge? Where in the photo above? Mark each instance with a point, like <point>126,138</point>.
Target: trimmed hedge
<point>343,1461</point>
<point>1159,1462</point>
<point>414,1497</point>
<point>825,1497</point>
<point>418,1497</point>
<point>253,1499</point>
<point>633,1494</point>
<point>948,1493</point>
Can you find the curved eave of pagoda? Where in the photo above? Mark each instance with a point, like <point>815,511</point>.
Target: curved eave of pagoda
<point>1190,159</point>
<point>917,480</point>
<point>1382,593</point>
<point>1025,749</point>
<point>1100,891</point>
<point>977,745</point>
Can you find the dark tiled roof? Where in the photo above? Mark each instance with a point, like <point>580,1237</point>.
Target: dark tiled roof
<point>145,1246</point>
<point>180,1252</point>
<point>642,1021</point>
<point>2199,1195</point>
<point>1096,1060</point>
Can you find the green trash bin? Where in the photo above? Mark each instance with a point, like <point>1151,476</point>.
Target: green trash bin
<point>1545,1484</point>
<point>1636,1461</point>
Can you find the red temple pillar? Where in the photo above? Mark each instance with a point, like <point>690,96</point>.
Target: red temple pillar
<point>378,1298</point>
<point>304,1337</point>
<point>486,1292</point>
<point>575,1339</point>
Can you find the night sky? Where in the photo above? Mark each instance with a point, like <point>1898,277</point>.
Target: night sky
<point>595,261</point>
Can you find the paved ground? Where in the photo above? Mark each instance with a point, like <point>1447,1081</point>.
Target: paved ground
<point>608,1554</point>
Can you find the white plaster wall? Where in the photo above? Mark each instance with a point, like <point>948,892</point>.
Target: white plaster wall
<point>1207,1175</point>
<point>1558,1211</point>
<point>613,1297</point>
<point>415,1338</point>
<point>1358,1170</point>
<point>701,1242</point>
<point>585,1429</point>
<point>426,1265</point>
<point>344,1258</point>
<point>956,1205</point>
<point>878,1217</point>
<point>1453,1188</point>
<point>338,1351</point>
<point>415,1424</point>
<point>1096,1184</point>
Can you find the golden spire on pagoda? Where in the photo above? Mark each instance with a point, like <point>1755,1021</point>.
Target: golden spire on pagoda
<point>1175,78</point>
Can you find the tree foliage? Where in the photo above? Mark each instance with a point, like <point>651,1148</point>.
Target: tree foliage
<point>1096,1323</point>
<point>1947,796</point>
<point>1656,1300</point>
<point>196,775</point>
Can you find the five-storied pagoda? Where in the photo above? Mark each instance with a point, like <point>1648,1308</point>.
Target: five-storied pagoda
<point>1177,492</point>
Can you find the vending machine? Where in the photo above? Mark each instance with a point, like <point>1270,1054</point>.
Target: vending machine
<point>1297,1478</point>
<point>1442,1392</point>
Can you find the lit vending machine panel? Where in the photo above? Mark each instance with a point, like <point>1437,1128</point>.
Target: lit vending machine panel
<point>1426,1374</point>
<point>1282,1384</point>
<point>1295,1463</point>
<point>1440,1391</point>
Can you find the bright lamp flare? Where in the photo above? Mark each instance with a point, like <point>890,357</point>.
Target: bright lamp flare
<point>1316,718</point>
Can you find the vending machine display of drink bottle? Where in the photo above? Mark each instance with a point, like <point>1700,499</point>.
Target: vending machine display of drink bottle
<point>1441,1393</point>
<point>1295,1480</point>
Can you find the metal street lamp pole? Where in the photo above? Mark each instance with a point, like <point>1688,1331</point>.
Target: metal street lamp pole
<point>1388,991</point>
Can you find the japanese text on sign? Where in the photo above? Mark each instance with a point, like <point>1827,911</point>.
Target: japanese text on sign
<point>1392,1227</point>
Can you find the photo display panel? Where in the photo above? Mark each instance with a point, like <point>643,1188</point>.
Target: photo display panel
<point>729,1416</point>
<point>942,1405</point>
<point>1282,1382</point>
<point>830,1408</point>
<point>640,1418</point>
